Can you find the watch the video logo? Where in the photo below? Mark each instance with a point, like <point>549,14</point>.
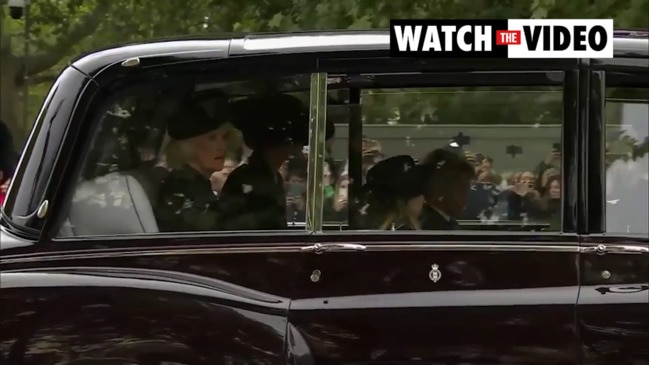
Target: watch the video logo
<point>513,38</point>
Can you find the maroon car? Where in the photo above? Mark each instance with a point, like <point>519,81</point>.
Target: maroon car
<point>116,249</point>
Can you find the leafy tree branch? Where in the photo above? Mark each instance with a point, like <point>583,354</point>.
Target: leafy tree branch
<point>51,55</point>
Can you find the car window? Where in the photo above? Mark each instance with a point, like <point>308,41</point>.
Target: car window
<point>214,156</point>
<point>627,160</point>
<point>442,158</point>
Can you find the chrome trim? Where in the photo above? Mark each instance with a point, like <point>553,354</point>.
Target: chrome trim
<point>640,46</point>
<point>378,39</point>
<point>569,247</point>
<point>477,246</point>
<point>43,209</point>
<point>602,249</point>
<point>316,41</point>
<point>315,166</point>
<point>131,62</point>
<point>319,248</point>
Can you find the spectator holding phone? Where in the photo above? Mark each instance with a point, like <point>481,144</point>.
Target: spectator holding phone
<point>545,178</point>
<point>483,196</point>
<point>552,160</point>
<point>522,197</point>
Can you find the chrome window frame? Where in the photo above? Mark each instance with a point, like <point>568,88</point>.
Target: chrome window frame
<point>315,163</point>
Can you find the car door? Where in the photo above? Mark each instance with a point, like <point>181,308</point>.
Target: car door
<point>490,292</point>
<point>106,282</point>
<point>613,309</point>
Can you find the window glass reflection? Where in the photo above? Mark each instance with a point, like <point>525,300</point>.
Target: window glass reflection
<point>486,158</point>
<point>627,161</point>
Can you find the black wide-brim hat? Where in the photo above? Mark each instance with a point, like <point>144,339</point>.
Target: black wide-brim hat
<point>268,120</point>
<point>192,120</point>
<point>400,176</point>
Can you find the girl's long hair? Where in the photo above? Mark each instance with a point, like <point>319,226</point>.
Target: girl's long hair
<point>384,210</point>
<point>548,204</point>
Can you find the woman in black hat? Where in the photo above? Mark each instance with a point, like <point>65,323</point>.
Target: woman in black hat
<point>186,200</point>
<point>275,127</point>
<point>393,195</point>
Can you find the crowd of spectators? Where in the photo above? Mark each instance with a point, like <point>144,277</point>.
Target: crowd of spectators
<point>509,196</point>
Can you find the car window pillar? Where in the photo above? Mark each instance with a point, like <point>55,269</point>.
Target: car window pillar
<point>571,134</point>
<point>316,155</point>
<point>595,127</point>
<point>355,159</point>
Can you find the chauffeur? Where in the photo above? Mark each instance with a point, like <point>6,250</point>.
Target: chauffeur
<point>186,200</point>
<point>275,127</point>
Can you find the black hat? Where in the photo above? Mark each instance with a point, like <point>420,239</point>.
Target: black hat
<point>267,120</point>
<point>192,120</point>
<point>442,162</point>
<point>398,175</point>
<point>271,119</point>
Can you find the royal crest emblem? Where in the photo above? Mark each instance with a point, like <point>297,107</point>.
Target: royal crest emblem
<point>434,275</point>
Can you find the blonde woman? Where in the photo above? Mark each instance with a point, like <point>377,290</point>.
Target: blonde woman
<point>197,149</point>
<point>393,195</point>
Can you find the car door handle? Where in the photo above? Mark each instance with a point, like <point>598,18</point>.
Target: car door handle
<point>320,248</point>
<point>603,249</point>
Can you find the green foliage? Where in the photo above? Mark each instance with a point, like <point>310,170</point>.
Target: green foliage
<point>62,29</point>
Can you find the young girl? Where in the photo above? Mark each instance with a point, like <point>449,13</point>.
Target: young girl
<point>393,195</point>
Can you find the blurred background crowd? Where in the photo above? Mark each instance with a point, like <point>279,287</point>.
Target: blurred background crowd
<point>516,196</point>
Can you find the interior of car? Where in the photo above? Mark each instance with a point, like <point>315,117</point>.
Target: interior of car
<point>118,181</point>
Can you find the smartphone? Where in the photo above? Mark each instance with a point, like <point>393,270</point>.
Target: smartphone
<point>557,147</point>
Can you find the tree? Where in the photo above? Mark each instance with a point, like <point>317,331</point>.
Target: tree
<point>63,29</point>
<point>53,36</point>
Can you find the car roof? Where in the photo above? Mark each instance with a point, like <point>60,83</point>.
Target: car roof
<point>628,43</point>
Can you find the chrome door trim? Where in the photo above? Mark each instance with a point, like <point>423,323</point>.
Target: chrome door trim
<point>316,157</point>
<point>476,246</point>
<point>320,248</point>
<point>570,247</point>
<point>603,249</point>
